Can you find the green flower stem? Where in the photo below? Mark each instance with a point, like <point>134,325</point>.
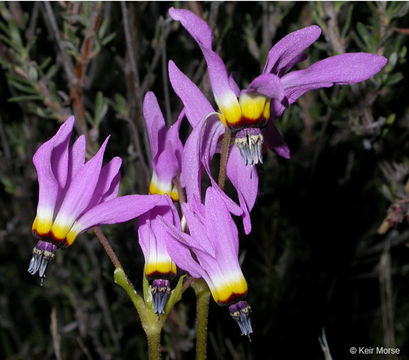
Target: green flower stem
<point>151,323</point>
<point>202,310</point>
<point>223,157</point>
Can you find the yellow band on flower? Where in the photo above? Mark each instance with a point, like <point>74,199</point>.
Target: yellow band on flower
<point>158,187</point>
<point>160,269</point>
<point>230,290</point>
<point>254,107</point>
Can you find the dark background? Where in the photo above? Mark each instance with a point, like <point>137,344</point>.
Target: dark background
<point>314,260</point>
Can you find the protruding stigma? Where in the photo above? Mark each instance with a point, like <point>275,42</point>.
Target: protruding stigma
<point>250,141</point>
<point>240,312</point>
<point>160,294</point>
<point>43,253</point>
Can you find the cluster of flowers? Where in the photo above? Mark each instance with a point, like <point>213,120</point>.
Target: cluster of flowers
<point>75,195</point>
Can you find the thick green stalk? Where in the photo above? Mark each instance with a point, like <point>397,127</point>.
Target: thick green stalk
<point>154,344</point>
<point>150,322</point>
<point>202,310</point>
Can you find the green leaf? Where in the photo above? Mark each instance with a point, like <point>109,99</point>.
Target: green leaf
<point>25,98</point>
<point>394,79</point>
<point>100,109</point>
<point>175,295</point>
<point>347,21</point>
<point>7,184</point>
<point>108,39</point>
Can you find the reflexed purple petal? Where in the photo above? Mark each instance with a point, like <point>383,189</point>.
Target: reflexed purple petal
<point>152,236</point>
<point>81,189</point>
<point>119,210</point>
<point>108,173</point>
<point>112,192</point>
<point>196,105</point>
<point>173,139</point>
<point>296,60</point>
<point>182,257</point>
<point>223,94</point>
<point>76,157</point>
<point>233,85</point>
<point>179,250</point>
<point>340,69</point>
<point>166,166</point>
<point>274,140</point>
<point>276,109</point>
<point>245,180</point>
<point>289,49</point>
<point>268,85</point>
<point>196,26</point>
<point>48,184</point>
<point>155,123</point>
<point>59,155</point>
<point>197,230</point>
<point>220,227</point>
<point>199,147</point>
<point>200,31</point>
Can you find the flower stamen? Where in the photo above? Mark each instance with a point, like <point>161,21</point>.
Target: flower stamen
<point>43,253</point>
<point>250,141</point>
<point>160,293</point>
<point>240,312</point>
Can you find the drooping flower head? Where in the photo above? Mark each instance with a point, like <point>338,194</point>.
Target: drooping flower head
<point>214,241</point>
<point>159,266</point>
<point>270,93</point>
<point>166,148</point>
<point>75,195</point>
<point>203,143</point>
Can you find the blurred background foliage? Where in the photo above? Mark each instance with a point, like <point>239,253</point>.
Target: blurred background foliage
<point>327,261</point>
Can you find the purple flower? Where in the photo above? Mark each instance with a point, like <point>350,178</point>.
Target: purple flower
<point>276,88</point>
<point>166,148</point>
<point>159,266</point>
<point>202,144</point>
<point>75,195</point>
<point>214,241</point>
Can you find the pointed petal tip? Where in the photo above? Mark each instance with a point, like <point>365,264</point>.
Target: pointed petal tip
<point>284,153</point>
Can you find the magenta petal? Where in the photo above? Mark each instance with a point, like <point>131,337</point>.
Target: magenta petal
<point>81,189</point>
<point>60,153</point>
<point>76,157</point>
<point>340,69</point>
<point>233,85</point>
<point>268,85</point>
<point>173,139</point>
<point>224,95</point>
<point>178,246</point>
<point>118,210</point>
<point>106,177</point>
<point>155,123</point>
<point>289,48</point>
<point>200,31</point>
<point>197,27</point>
<point>274,140</point>
<point>166,166</point>
<point>48,185</point>
<point>196,105</point>
<point>197,230</point>
<point>152,236</point>
<point>113,190</point>
<point>199,149</point>
<point>220,227</point>
<point>245,180</point>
